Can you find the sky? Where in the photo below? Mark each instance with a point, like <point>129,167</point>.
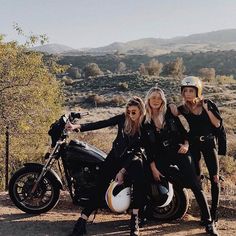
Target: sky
<point>95,23</point>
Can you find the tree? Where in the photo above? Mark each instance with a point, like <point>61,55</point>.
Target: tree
<point>207,74</point>
<point>74,72</point>
<point>121,68</point>
<point>175,68</point>
<point>154,67</point>
<point>92,69</point>
<point>142,69</point>
<point>30,100</point>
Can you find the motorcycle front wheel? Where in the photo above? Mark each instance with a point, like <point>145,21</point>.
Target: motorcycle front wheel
<point>44,198</point>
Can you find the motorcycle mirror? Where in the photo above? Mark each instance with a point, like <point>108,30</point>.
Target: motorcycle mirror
<point>79,115</point>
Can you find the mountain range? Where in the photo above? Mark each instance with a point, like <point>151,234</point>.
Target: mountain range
<point>202,42</point>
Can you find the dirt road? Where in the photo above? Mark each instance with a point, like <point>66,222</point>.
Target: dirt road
<point>60,220</point>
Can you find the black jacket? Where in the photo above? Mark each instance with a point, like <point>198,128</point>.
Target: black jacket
<point>219,132</point>
<point>173,133</point>
<point>124,146</point>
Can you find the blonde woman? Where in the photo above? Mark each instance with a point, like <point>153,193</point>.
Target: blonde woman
<point>166,143</point>
<point>125,158</point>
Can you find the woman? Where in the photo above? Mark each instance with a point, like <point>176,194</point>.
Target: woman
<point>125,158</point>
<point>205,125</point>
<point>165,142</point>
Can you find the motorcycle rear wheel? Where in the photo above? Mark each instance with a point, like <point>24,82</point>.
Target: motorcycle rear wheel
<point>45,196</point>
<point>175,210</point>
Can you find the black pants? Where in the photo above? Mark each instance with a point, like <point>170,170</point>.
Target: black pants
<point>108,172</point>
<point>186,168</point>
<point>208,150</point>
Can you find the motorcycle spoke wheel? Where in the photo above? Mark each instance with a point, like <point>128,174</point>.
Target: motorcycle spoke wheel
<point>40,198</point>
<point>165,212</point>
<point>176,209</point>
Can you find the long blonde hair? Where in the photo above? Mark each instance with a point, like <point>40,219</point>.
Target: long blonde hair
<point>162,110</point>
<point>130,127</point>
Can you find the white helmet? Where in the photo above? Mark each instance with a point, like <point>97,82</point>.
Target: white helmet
<point>192,81</point>
<point>162,192</point>
<point>118,197</point>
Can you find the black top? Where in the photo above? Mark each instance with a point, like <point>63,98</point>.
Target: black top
<point>201,125</point>
<point>198,124</point>
<point>123,143</point>
<point>169,137</point>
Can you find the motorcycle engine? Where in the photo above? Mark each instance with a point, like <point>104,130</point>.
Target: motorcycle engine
<point>84,178</point>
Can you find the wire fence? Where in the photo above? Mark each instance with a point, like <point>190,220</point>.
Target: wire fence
<point>8,161</point>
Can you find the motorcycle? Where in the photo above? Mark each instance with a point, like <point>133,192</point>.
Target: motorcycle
<point>35,188</point>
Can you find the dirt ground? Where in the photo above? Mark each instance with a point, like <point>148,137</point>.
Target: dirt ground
<point>60,220</point>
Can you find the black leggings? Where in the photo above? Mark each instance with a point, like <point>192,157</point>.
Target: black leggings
<point>186,168</point>
<point>209,153</point>
<point>108,172</point>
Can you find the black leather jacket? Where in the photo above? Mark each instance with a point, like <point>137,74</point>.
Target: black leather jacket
<point>124,146</point>
<point>157,143</point>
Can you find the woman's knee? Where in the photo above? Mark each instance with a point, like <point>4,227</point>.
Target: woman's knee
<point>215,179</point>
<point>137,163</point>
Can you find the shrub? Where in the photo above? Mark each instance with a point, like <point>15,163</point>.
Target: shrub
<point>227,165</point>
<point>67,80</point>
<point>92,69</point>
<point>118,100</point>
<point>225,79</point>
<point>123,85</point>
<point>96,99</point>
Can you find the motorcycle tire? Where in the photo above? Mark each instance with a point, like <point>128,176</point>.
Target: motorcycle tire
<point>44,198</point>
<point>175,210</point>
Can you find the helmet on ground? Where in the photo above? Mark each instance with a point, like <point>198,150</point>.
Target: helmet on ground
<point>192,81</point>
<point>118,197</point>
<point>162,192</point>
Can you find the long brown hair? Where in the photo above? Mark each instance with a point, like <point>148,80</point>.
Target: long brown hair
<point>148,107</point>
<point>188,106</point>
<point>130,127</point>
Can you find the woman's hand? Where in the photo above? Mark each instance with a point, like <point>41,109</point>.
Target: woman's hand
<point>173,109</point>
<point>157,174</point>
<point>183,148</point>
<point>119,178</point>
<point>205,105</point>
<point>71,127</point>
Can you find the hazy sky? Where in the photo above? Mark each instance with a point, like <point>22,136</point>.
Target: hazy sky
<point>93,23</point>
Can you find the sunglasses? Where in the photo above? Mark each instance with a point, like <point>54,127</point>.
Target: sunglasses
<point>131,113</point>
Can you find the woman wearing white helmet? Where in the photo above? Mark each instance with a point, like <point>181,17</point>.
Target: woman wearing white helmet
<point>166,143</point>
<point>125,158</point>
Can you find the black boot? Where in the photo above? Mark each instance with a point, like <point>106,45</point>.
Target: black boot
<point>79,228</point>
<point>203,222</point>
<point>142,217</point>
<point>214,216</point>
<point>211,229</point>
<point>134,225</point>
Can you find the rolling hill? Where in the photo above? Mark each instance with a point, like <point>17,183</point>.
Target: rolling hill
<point>210,41</point>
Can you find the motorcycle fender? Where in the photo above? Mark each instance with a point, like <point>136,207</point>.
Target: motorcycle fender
<point>52,172</point>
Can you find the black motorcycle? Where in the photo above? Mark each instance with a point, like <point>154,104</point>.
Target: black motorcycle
<point>35,188</point>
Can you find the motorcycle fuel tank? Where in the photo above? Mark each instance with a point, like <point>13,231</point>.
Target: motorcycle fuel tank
<point>78,152</point>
